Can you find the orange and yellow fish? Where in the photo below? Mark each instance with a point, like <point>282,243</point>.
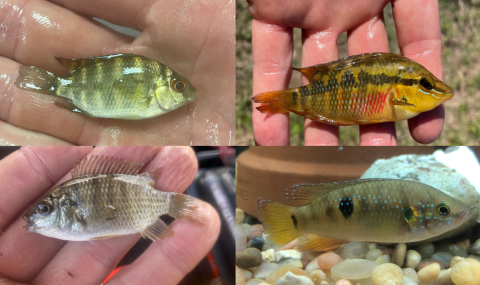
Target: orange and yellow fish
<point>361,89</point>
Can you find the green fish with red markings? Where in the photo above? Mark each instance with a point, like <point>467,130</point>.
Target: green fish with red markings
<point>119,86</point>
<point>361,89</point>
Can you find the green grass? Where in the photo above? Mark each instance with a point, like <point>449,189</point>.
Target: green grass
<point>459,22</point>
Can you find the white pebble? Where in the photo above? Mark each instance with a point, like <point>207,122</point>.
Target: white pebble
<point>291,279</point>
<point>247,274</point>
<point>408,281</point>
<point>343,282</point>
<point>428,273</point>
<point>286,254</point>
<point>313,265</point>
<point>383,259</point>
<point>387,274</point>
<point>264,270</point>
<point>443,278</point>
<point>413,259</point>
<point>268,255</point>
<point>318,276</point>
<point>353,269</point>
<point>411,273</point>
<point>373,254</point>
<point>292,262</point>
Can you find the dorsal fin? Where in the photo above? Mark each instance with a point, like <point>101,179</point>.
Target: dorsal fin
<point>105,165</point>
<point>75,64</point>
<point>303,194</point>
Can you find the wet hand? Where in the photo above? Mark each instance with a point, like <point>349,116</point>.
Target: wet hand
<point>177,34</point>
<point>418,33</point>
<point>31,258</point>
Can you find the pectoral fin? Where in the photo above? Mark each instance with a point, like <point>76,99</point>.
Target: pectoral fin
<point>401,103</point>
<point>318,243</point>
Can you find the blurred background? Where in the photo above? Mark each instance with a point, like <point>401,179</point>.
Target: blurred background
<point>459,20</point>
<point>215,184</point>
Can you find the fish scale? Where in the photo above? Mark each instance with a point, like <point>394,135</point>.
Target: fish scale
<point>323,216</point>
<point>361,89</point>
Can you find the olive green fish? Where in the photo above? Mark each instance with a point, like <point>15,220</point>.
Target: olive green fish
<point>120,86</point>
<point>106,197</point>
<point>325,216</point>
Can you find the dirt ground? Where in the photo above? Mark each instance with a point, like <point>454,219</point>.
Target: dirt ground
<point>459,22</point>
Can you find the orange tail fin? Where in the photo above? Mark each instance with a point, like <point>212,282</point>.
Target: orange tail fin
<point>278,101</point>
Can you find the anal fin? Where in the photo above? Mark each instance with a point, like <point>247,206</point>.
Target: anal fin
<point>318,243</point>
<point>158,230</point>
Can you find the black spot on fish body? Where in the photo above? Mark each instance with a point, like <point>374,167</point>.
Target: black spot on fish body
<point>346,207</point>
<point>295,95</point>
<point>294,221</point>
<point>408,214</point>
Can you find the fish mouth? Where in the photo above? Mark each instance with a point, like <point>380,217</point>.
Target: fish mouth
<point>465,215</point>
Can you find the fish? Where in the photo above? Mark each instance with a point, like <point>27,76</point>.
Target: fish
<point>119,86</point>
<point>325,216</point>
<point>107,197</point>
<point>362,89</point>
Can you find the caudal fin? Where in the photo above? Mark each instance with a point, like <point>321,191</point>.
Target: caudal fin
<point>279,221</point>
<point>278,101</point>
<point>186,208</point>
<point>37,80</point>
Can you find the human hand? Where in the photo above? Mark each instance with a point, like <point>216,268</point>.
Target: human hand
<point>32,258</point>
<point>418,32</point>
<point>196,39</point>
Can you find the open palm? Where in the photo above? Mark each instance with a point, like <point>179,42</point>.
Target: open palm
<point>418,32</point>
<point>196,39</point>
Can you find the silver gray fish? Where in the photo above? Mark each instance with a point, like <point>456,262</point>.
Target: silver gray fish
<point>106,197</point>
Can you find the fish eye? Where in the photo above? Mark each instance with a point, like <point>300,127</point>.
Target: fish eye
<point>44,208</point>
<point>179,85</point>
<point>426,84</point>
<point>443,209</point>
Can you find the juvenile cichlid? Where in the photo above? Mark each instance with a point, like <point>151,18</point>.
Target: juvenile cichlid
<point>106,197</point>
<point>361,89</point>
<point>325,216</point>
<point>120,86</point>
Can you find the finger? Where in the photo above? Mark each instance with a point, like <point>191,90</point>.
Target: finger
<point>16,136</point>
<point>121,12</point>
<point>35,32</point>
<point>26,174</point>
<point>168,261</point>
<point>418,31</point>
<point>368,37</point>
<point>319,47</point>
<point>90,262</point>
<point>272,69</point>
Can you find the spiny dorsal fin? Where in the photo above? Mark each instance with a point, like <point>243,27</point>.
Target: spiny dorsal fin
<point>303,194</point>
<point>318,243</point>
<point>158,230</point>
<point>108,165</point>
<point>77,64</point>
